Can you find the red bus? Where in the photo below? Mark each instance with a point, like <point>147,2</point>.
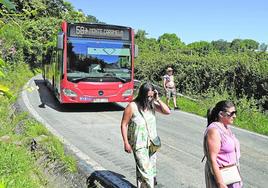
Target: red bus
<point>92,63</point>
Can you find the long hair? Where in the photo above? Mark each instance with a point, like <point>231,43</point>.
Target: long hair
<point>213,113</point>
<point>142,100</point>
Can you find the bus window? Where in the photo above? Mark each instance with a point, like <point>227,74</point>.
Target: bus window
<point>98,59</point>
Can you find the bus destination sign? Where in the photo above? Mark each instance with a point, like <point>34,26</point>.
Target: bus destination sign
<point>85,31</point>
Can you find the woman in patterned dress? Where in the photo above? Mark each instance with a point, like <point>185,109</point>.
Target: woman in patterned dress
<point>221,147</point>
<point>138,126</point>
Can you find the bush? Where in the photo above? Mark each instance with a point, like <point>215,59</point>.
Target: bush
<point>248,117</point>
<point>239,74</point>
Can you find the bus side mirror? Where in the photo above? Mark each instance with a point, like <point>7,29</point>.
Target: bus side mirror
<point>136,51</point>
<point>60,41</point>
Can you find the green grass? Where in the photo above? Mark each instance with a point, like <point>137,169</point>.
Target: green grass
<point>18,167</point>
<point>191,106</point>
<point>51,144</point>
<point>56,150</point>
<point>248,117</point>
<point>17,164</point>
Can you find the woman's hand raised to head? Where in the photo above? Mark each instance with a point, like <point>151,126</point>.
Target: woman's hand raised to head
<point>156,95</point>
<point>161,107</point>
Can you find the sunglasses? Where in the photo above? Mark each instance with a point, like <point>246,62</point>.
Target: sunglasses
<point>231,114</point>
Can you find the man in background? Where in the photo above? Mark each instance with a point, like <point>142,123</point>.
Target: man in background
<point>169,86</point>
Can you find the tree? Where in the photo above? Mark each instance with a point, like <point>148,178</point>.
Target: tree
<point>250,44</point>
<point>201,47</point>
<point>263,47</point>
<point>140,35</point>
<point>170,42</point>
<point>33,9</point>
<point>92,19</point>
<point>9,5</point>
<point>237,45</point>
<point>221,45</point>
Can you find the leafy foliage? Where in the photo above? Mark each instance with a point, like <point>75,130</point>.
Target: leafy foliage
<point>211,71</point>
<point>248,116</point>
<point>31,28</point>
<point>3,89</point>
<point>9,5</point>
<point>170,42</point>
<point>27,29</point>
<point>235,67</point>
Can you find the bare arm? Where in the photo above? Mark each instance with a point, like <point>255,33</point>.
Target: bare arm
<point>214,144</point>
<point>160,106</point>
<point>124,126</point>
<point>164,83</point>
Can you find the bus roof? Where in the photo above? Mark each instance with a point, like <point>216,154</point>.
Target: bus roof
<point>100,25</point>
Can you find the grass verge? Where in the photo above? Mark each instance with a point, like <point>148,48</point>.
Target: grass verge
<point>18,164</point>
<point>249,116</point>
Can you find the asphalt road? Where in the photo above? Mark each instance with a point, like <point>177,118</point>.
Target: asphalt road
<point>95,130</point>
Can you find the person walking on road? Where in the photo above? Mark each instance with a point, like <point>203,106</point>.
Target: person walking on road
<point>170,88</point>
<point>221,147</point>
<point>138,127</point>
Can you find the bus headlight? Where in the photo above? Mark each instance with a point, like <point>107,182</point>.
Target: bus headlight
<point>69,93</point>
<point>127,93</point>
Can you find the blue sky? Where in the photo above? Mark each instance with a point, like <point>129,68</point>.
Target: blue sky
<point>190,20</point>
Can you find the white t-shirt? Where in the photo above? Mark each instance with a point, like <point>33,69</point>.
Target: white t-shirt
<point>169,81</point>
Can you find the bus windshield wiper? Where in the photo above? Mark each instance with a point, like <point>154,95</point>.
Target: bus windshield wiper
<point>118,78</point>
<point>88,77</point>
<point>82,78</point>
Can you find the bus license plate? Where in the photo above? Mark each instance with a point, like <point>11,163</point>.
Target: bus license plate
<point>100,100</point>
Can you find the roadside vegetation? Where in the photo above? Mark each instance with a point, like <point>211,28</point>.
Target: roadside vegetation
<point>205,71</point>
<point>249,117</point>
<point>26,147</point>
<point>209,72</point>
<point>23,140</point>
<point>18,133</point>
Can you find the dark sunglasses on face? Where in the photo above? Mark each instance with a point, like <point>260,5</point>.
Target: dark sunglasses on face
<point>231,114</point>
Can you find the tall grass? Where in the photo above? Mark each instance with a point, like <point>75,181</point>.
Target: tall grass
<point>249,116</point>
<point>51,144</point>
<point>18,167</point>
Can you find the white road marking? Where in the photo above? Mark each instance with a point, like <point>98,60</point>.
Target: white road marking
<point>81,155</point>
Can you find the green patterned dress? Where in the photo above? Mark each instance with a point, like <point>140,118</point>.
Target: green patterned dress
<point>138,138</point>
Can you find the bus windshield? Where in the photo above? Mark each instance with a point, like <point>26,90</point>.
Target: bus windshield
<point>98,60</point>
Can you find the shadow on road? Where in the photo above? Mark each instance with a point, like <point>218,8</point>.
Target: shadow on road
<point>98,179</point>
<point>48,99</point>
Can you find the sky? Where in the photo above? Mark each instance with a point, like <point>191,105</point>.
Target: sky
<point>190,20</point>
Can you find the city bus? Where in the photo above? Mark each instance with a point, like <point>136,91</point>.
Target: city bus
<point>91,63</point>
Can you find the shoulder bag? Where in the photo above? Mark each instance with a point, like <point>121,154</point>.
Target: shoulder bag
<point>230,174</point>
<point>155,144</point>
